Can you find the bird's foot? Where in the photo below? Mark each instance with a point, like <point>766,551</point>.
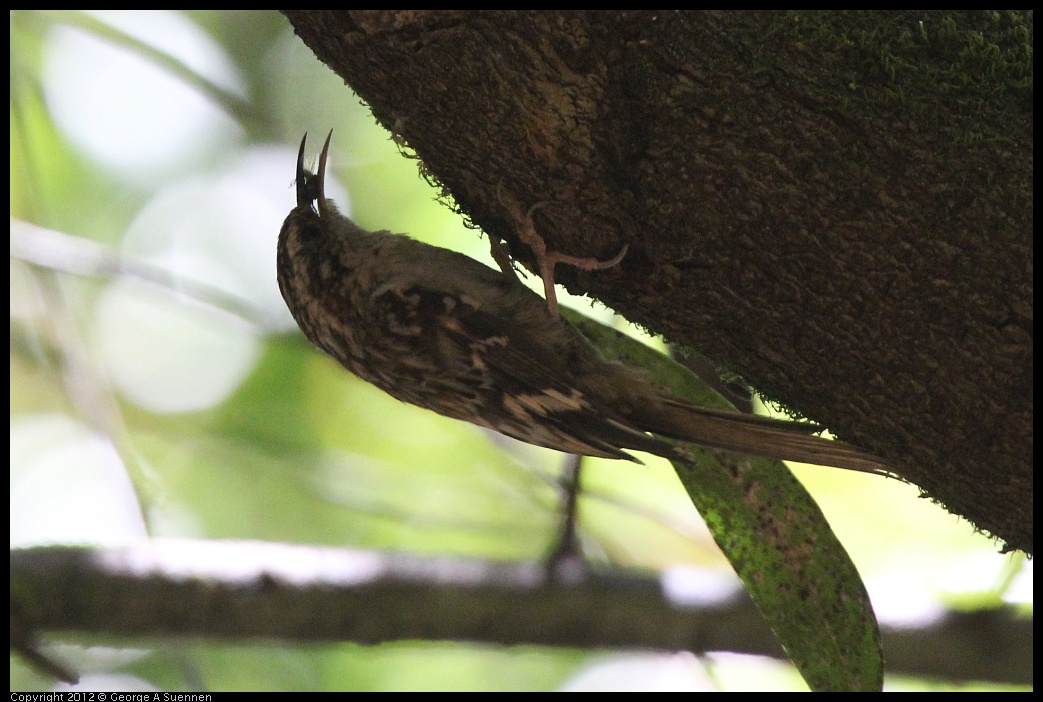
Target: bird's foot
<point>500,255</point>
<point>546,260</point>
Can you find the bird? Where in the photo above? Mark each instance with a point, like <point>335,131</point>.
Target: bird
<point>440,330</point>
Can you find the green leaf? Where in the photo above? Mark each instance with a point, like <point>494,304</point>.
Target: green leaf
<point>776,538</point>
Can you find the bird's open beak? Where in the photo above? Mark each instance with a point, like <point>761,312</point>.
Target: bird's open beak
<point>312,187</point>
<point>302,176</point>
<point>320,177</point>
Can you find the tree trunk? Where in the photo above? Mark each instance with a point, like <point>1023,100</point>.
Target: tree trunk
<point>835,205</point>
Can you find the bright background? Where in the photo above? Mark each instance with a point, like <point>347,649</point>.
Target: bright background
<point>175,397</point>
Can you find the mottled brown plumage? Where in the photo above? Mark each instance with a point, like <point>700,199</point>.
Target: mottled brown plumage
<point>440,330</point>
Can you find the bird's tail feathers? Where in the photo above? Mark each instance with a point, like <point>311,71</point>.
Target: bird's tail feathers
<point>756,435</point>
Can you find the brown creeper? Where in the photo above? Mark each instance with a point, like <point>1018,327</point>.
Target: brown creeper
<point>437,329</point>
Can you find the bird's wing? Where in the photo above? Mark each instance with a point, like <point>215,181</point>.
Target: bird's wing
<point>478,367</point>
<point>496,368</point>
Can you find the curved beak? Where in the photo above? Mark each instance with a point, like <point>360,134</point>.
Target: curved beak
<point>302,176</point>
<point>312,187</point>
<point>320,177</point>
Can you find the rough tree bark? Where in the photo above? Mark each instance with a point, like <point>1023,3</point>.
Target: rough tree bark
<point>837,206</point>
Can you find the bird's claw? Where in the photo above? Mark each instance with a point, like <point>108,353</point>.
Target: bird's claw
<point>546,260</point>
